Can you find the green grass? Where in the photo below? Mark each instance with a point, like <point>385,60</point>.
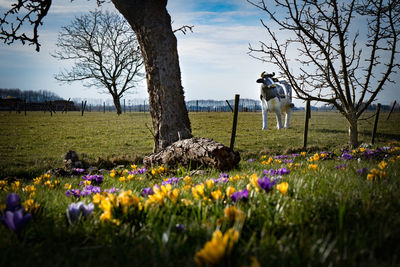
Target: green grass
<point>329,217</point>
<point>32,144</point>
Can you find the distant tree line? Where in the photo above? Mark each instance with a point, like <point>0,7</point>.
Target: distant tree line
<point>29,95</point>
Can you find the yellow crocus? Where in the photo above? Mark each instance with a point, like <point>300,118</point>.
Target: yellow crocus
<point>382,165</point>
<point>229,191</point>
<point>216,194</point>
<point>283,187</point>
<point>210,183</point>
<point>313,166</point>
<point>173,195</point>
<point>233,214</point>
<point>217,248</point>
<point>97,198</point>
<point>198,191</point>
<point>187,180</point>
<point>105,216</point>
<point>254,180</point>
<point>67,186</point>
<point>105,205</point>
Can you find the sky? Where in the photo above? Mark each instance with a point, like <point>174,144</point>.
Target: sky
<point>214,59</point>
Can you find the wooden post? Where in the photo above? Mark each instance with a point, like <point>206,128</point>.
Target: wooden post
<point>104,107</point>
<point>124,106</point>
<point>391,110</point>
<point>197,105</point>
<point>25,106</point>
<point>229,105</point>
<point>307,117</point>
<point>83,107</point>
<point>235,117</point>
<point>378,108</point>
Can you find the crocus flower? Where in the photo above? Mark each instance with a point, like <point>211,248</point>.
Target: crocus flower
<point>283,171</point>
<point>76,210</point>
<point>180,227</point>
<point>340,167</point>
<point>16,220</point>
<point>147,191</point>
<point>14,217</point>
<point>347,156</point>
<point>240,195</point>
<point>265,183</point>
<point>12,202</point>
<point>363,171</point>
<point>283,187</point>
<point>96,179</point>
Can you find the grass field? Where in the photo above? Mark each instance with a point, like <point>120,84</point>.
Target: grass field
<point>321,206</point>
<point>32,144</point>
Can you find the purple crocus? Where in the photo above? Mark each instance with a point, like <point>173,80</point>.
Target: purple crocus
<point>240,195</point>
<point>346,155</point>
<point>147,191</point>
<point>283,171</point>
<point>112,190</point>
<point>363,171</point>
<point>251,160</point>
<point>138,171</point>
<point>180,227</point>
<point>266,184</point>
<point>14,218</point>
<point>95,179</point>
<point>340,167</point>
<point>12,202</point>
<point>77,210</point>
<point>171,181</point>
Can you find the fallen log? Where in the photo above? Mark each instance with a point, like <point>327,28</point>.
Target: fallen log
<point>196,152</point>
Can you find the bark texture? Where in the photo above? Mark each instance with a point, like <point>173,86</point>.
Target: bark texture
<point>195,152</point>
<point>152,25</point>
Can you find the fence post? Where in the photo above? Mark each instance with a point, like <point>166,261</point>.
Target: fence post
<point>235,117</point>
<point>307,117</point>
<point>229,105</point>
<point>378,108</point>
<point>83,107</point>
<point>124,106</point>
<point>391,110</point>
<point>25,106</point>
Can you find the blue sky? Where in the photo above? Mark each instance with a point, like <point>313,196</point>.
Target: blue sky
<point>213,60</point>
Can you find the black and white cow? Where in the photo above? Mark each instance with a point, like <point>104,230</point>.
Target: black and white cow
<point>276,96</point>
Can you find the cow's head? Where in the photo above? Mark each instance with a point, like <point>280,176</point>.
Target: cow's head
<point>266,79</point>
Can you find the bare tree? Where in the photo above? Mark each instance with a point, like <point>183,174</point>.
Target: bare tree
<point>346,50</point>
<point>152,25</point>
<point>105,53</point>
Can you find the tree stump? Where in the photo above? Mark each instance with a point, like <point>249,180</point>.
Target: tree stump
<point>195,152</point>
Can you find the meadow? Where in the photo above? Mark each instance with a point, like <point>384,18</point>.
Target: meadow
<point>285,205</point>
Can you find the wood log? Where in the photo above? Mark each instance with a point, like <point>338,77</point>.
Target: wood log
<point>196,152</point>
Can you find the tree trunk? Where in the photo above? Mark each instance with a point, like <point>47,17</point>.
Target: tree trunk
<point>152,25</point>
<point>353,130</point>
<point>117,104</point>
<point>195,152</point>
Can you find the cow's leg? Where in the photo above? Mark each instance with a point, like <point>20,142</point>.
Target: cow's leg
<point>278,119</point>
<point>287,117</point>
<point>264,114</point>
